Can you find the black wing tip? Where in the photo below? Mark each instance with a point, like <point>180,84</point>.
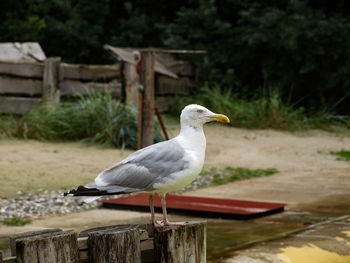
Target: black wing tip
<point>84,191</point>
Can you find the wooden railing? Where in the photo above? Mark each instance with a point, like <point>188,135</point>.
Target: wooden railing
<point>25,84</point>
<point>121,243</point>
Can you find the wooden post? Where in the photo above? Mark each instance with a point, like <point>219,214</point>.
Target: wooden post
<point>29,234</point>
<point>131,83</point>
<point>51,247</point>
<point>181,244</point>
<point>51,76</point>
<point>119,244</point>
<point>147,81</point>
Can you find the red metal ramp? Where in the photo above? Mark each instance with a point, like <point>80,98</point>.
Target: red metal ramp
<point>201,206</point>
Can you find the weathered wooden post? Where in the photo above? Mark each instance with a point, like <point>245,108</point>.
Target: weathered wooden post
<point>114,245</point>
<point>121,243</point>
<point>147,81</point>
<point>51,247</point>
<point>27,235</point>
<point>181,244</point>
<point>51,76</point>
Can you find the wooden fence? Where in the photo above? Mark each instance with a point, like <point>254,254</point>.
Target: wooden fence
<point>25,84</point>
<point>122,243</point>
<point>167,88</point>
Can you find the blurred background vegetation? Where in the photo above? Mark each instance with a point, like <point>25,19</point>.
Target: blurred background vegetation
<point>289,59</point>
<point>96,118</point>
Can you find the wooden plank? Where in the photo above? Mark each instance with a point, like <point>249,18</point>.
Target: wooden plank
<point>83,243</point>
<point>147,81</point>
<point>51,76</point>
<point>215,206</point>
<point>170,86</point>
<point>147,251</point>
<point>173,51</point>
<point>75,88</point>
<point>118,244</point>
<point>90,72</point>
<point>10,260</point>
<point>164,102</point>
<point>181,244</point>
<point>17,105</point>
<point>83,256</point>
<point>143,234</point>
<point>22,69</point>
<point>126,54</point>
<point>147,244</point>
<point>23,86</point>
<point>51,247</point>
<point>182,68</point>
<point>21,52</point>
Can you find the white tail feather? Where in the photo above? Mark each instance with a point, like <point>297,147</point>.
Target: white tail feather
<point>90,199</point>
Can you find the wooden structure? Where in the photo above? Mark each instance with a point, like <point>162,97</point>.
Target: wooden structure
<point>172,76</point>
<point>122,243</point>
<point>153,61</point>
<point>205,206</point>
<point>146,129</point>
<point>147,75</point>
<point>28,78</point>
<point>24,84</point>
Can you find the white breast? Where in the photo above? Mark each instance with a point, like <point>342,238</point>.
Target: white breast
<point>193,142</point>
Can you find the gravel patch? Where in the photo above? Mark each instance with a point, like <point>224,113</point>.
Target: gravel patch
<point>53,202</point>
<point>45,203</point>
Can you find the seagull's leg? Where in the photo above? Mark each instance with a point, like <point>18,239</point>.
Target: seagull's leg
<point>165,219</point>
<point>151,206</point>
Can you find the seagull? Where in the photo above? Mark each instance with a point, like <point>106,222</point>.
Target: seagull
<point>159,168</point>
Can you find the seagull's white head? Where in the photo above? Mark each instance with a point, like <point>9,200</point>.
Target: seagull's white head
<point>196,115</point>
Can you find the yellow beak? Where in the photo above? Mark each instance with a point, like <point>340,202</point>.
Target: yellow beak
<point>221,118</point>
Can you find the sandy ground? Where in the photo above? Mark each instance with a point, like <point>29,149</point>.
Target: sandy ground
<point>29,166</point>
<point>308,173</point>
<point>309,178</point>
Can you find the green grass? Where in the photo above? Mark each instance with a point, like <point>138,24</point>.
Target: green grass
<point>265,111</point>
<point>15,221</point>
<point>96,118</point>
<point>231,174</point>
<point>342,155</point>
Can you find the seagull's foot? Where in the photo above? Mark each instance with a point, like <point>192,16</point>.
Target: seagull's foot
<point>167,223</point>
<point>157,223</point>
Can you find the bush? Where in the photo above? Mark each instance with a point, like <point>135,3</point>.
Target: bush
<point>300,46</point>
<point>95,118</point>
<point>268,110</point>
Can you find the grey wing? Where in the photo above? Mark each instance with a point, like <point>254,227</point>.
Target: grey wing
<point>142,169</point>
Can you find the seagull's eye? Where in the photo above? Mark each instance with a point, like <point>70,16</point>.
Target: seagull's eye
<point>200,111</point>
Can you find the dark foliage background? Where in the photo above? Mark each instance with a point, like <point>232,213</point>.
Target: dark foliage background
<point>301,48</point>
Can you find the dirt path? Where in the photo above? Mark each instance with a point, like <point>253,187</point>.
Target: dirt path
<point>308,173</point>
<point>303,160</point>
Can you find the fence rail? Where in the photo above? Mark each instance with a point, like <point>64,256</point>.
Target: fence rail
<point>25,84</point>
<point>121,243</point>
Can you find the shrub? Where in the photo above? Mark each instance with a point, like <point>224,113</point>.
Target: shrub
<point>95,118</point>
<point>265,111</point>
